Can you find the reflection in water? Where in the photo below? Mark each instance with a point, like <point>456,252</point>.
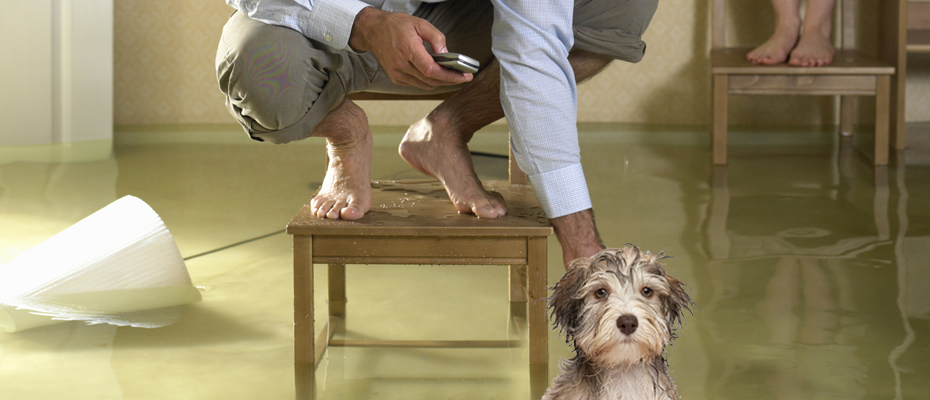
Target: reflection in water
<point>805,276</point>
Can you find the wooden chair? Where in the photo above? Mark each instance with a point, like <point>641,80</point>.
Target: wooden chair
<point>432,233</point>
<point>905,33</point>
<point>851,74</point>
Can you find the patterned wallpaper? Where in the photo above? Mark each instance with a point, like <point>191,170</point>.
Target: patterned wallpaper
<point>164,52</point>
<point>163,55</point>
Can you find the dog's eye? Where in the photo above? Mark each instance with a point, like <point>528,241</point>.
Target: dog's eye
<point>647,292</point>
<point>600,293</point>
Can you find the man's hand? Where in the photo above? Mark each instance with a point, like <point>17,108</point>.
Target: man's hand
<point>396,40</point>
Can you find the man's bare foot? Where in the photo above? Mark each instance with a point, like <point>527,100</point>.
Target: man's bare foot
<point>776,49</point>
<point>346,190</point>
<point>434,147</point>
<point>813,50</point>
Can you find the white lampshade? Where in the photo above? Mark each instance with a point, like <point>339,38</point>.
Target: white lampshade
<point>118,266</point>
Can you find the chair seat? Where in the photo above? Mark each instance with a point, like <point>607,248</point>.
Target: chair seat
<point>733,61</point>
<point>422,208</point>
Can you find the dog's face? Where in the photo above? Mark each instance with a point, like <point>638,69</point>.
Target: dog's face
<point>619,307</point>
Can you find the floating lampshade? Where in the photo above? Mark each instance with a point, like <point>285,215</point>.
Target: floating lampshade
<point>118,266</point>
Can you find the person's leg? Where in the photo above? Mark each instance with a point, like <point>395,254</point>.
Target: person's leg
<point>346,190</point>
<point>814,48</point>
<point>437,144</point>
<point>282,87</point>
<point>787,28</point>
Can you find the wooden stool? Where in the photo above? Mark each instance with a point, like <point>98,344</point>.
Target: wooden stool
<point>414,222</point>
<point>851,74</point>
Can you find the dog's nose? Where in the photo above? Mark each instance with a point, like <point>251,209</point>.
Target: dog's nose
<point>627,324</point>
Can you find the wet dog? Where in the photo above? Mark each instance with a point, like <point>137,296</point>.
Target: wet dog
<point>618,309</point>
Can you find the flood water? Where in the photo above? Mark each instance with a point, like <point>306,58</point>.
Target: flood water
<point>810,269</point>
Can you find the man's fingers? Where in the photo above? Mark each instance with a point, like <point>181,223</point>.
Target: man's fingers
<point>430,71</point>
<point>431,35</point>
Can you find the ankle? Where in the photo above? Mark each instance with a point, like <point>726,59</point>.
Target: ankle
<point>447,122</point>
<point>821,28</point>
<point>346,127</point>
<point>788,25</point>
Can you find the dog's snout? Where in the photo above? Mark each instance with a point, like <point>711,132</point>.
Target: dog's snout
<point>627,324</point>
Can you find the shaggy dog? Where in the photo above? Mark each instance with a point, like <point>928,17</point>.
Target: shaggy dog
<point>618,310</point>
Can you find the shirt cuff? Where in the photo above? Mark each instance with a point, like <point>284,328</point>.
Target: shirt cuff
<point>563,191</point>
<point>330,22</point>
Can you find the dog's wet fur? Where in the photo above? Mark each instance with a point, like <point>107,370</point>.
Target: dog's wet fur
<point>618,309</point>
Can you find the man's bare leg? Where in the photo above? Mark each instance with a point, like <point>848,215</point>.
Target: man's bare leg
<point>787,28</point>
<point>437,144</point>
<point>346,190</point>
<point>814,48</point>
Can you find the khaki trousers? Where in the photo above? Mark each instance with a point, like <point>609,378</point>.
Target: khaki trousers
<point>279,84</point>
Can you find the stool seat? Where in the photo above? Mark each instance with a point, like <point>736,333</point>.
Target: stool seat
<point>414,222</point>
<point>422,207</point>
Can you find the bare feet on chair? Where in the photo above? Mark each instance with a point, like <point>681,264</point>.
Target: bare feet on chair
<point>813,50</point>
<point>777,48</point>
<point>346,190</point>
<point>434,147</point>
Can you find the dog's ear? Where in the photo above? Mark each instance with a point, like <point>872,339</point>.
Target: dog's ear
<point>677,302</point>
<point>564,305</point>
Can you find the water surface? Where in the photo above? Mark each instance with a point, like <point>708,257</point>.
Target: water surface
<point>809,267</point>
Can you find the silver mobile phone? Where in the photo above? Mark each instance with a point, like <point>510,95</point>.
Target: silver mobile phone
<point>458,62</point>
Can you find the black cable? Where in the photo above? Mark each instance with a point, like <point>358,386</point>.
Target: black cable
<point>234,245</point>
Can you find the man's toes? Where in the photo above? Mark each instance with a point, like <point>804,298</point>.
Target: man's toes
<point>497,200</point>
<point>352,211</point>
<point>325,208</point>
<point>483,208</point>
<point>334,211</point>
<point>315,204</point>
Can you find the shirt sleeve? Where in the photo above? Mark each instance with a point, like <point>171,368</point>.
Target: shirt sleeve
<point>326,21</point>
<point>531,40</point>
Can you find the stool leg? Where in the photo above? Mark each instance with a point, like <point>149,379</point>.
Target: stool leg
<point>337,290</point>
<point>517,301</point>
<point>847,115</point>
<point>305,377</point>
<point>517,283</point>
<point>538,323</point>
<point>882,118</point>
<point>721,91</point>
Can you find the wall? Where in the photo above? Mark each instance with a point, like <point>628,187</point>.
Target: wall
<point>56,71</point>
<point>165,50</point>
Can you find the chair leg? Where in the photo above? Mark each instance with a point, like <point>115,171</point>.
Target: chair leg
<point>538,323</point>
<point>721,87</point>
<point>847,115</point>
<point>517,283</point>
<point>337,290</point>
<point>882,118</point>
<point>305,378</point>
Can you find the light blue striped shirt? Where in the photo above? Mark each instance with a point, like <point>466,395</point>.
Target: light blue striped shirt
<point>531,40</point>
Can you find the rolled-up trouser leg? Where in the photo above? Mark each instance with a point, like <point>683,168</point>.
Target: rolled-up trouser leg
<point>613,28</point>
<point>280,84</point>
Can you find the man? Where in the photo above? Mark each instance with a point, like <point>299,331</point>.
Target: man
<point>286,66</point>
